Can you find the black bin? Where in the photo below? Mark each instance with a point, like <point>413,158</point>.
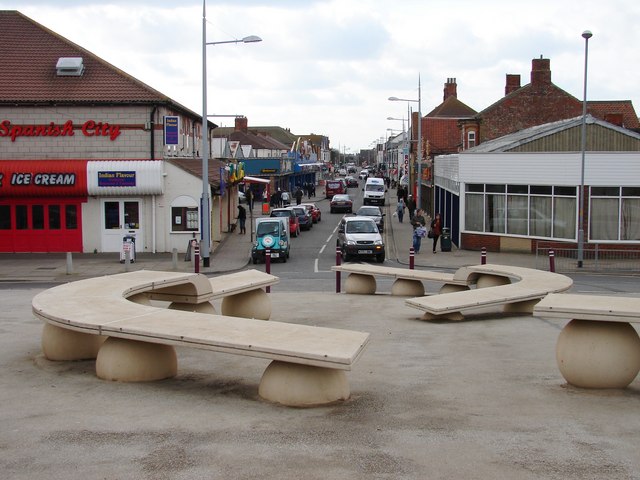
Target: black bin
<point>445,240</point>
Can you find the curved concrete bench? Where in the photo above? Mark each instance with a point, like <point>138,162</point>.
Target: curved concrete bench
<point>518,289</point>
<point>93,318</point>
<point>408,282</point>
<point>598,348</point>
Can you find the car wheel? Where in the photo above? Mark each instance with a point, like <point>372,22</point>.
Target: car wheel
<point>380,258</point>
<point>284,259</point>
<point>255,260</point>
<point>332,211</point>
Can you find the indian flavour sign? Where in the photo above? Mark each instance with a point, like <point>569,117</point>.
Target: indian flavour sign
<point>90,128</point>
<point>116,179</point>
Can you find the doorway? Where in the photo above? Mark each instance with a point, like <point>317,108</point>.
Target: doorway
<point>120,218</point>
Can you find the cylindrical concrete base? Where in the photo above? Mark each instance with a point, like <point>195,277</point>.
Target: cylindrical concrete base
<point>486,280</point>
<point>452,287</point>
<point>132,361</point>
<point>62,344</point>
<point>404,287</point>
<point>360,284</point>
<point>594,354</point>
<point>252,304</point>
<point>205,307</point>
<point>297,385</point>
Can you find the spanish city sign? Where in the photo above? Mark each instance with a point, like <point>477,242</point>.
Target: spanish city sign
<point>90,128</point>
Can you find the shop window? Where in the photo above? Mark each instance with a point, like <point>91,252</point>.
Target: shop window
<point>131,215</point>
<point>37,217</point>
<point>111,215</point>
<point>5,217</point>
<point>22,217</point>
<point>54,217</point>
<point>614,214</point>
<point>184,219</point>
<point>71,217</point>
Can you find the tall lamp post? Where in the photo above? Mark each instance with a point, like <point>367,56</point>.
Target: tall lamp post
<point>419,154</point>
<point>586,35</point>
<point>405,145</point>
<point>205,217</point>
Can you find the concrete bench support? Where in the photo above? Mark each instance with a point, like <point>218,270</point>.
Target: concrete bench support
<point>297,385</point>
<point>360,284</point>
<point>598,348</point>
<point>63,345</point>
<point>251,304</point>
<point>405,287</point>
<point>124,360</point>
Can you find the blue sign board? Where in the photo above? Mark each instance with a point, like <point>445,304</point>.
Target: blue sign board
<point>117,179</point>
<point>171,130</point>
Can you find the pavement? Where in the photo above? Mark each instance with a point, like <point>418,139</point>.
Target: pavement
<point>478,399</point>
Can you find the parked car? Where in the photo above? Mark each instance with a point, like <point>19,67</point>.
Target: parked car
<point>341,203</point>
<point>304,218</point>
<point>351,182</point>
<point>372,212</point>
<point>359,237</point>
<point>272,233</point>
<point>364,173</point>
<point>287,212</point>
<point>316,213</point>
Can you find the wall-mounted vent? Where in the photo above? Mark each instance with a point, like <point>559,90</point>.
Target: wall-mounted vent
<point>69,67</point>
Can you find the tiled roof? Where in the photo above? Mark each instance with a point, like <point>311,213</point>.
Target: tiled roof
<point>625,108</point>
<point>249,138</point>
<point>194,167</point>
<point>28,56</point>
<point>452,108</point>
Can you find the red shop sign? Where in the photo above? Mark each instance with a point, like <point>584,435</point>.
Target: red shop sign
<point>90,128</point>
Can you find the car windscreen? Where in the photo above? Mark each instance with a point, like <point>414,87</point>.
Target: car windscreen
<point>361,227</point>
<point>369,211</point>
<point>268,228</point>
<point>374,188</point>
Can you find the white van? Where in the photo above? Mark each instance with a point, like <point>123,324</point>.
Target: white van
<point>374,192</point>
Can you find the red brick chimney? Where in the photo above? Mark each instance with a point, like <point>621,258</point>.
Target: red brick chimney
<point>512,84</point>
<point>242,124</point>
<point>540,71</point>
<point>450,89</point>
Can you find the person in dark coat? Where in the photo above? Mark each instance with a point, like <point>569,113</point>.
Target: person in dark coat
<point>242,219</point>
<point>436,230</point>
<point>299,194</point>
<point>411,206</point>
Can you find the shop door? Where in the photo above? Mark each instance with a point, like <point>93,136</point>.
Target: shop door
<point>120,218</point>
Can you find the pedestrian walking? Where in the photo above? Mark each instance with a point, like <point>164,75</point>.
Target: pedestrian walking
<point>299,196</point>
<point>436,230</point>
<point>411,206</point>
<point>242,219</point>
<point>400,209</point>
<point>419,231</point>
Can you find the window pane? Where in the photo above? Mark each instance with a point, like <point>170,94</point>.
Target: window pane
<point>631,191</point>
<point>37,217</point>
<point>518,189</point>
<point>184,219</point>
<point>474,187</point>
<point>131,215</point>
<point>540,217</point>
<point>630,219</point>
<point>54,217</point>
<point>497,188</point>
<point>5,217</point>
<point>605,191</point>
<point>564,224</point>
<point>541,190</point>
<point>111,215</point>
<point>517,214</point>
<point>565,191</point>
<point>495,213</point>
<point>604,219</point>
<point>22,222</point>
<point>71,217</point>
<point>473,212</point>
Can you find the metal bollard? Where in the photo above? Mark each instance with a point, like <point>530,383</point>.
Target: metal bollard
<point>174,258</point>
<point>127,258</point>
<point>552,261</point>
<point>69,263</point>
<point>412,258</point>
<point>267,265</point>
<point>338,261</point>
<point>483,256</point>
<point>196,256</point>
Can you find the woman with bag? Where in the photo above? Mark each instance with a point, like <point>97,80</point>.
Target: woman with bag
<point>436,230</point>
<point>419,231</point>
<point>400,209</point>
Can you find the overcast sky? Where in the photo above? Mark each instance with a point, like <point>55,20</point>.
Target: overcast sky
<point>329,67</point>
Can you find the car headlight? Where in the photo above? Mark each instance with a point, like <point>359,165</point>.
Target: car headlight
<point>378,242</point>
<point>283,243</point>
<point>351,242</point>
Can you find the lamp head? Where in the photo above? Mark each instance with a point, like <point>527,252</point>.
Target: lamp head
<point>587,34</point>
<point>394,99</point>
<point>251,39</point>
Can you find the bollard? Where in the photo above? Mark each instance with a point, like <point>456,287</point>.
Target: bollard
<point>552,261</point>
<point>267,265</point>
<point>483,256</point>
<point>412,258</point>
<point>196,256</point>
<point>174,258</point>
<point>338,261</point>
<point>127,257</point>
<point>69,263</point>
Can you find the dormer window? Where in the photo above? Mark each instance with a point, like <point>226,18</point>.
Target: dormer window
<point>70,67</point>
<point>471,139</point>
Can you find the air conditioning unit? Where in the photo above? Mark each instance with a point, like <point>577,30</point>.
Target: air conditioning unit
<point>70,67</point>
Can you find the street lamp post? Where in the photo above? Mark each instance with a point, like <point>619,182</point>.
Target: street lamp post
<point>586,35</point>
<point>419,153</point>
<point>205,217</point>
